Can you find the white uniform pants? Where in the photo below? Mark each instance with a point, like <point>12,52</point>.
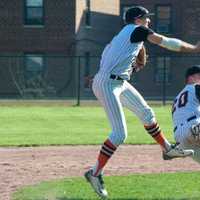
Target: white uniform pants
<point>113,95</point>
<point>184,136</point>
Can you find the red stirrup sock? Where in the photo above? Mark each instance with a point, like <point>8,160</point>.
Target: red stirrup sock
<point>155,132</point>
<point>105,154</point>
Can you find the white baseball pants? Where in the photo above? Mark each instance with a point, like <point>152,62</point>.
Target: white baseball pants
<point>113,95</point>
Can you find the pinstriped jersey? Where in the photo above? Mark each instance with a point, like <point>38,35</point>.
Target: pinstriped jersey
<point>119,55</point>
<point>186,104</point>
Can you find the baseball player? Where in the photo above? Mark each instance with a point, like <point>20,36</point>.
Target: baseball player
<point>186,113</point>
<point>112,89</point>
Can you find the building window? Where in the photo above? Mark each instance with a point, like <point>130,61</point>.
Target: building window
<point>163,19</point>
<point>34,12</point>
<point>163,70</point>
<point>88,14</point>
<point>34,66</point>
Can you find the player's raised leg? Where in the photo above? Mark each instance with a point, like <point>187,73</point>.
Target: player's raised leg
<point>132,99</point>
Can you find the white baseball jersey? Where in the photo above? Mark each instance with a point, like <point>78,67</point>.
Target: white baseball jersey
<point>119,55</point>
<point>186,105</point>
<point>185,113</point>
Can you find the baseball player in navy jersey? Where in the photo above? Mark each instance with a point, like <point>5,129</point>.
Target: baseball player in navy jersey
<point>186,113</point>
<point>112,89</point>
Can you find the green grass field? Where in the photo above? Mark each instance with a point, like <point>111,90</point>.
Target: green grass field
<point>174,186</point>
<point>60,125</point>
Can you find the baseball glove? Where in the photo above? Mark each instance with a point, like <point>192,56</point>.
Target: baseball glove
<point>141,60</point>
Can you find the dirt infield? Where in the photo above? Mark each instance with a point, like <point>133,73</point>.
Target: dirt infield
<point>27,166</point>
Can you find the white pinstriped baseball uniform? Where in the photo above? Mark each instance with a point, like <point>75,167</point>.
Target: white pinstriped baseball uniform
<point>185,113</point>
<point>117,59</point>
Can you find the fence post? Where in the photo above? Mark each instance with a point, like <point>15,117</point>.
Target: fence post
<point>79,82</point>
<point>164,81</point>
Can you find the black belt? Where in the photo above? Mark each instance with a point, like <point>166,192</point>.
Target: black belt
<point>115,77</point>
<point>188,119</point>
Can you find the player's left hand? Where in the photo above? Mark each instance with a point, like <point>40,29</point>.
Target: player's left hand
<point>195,130</point>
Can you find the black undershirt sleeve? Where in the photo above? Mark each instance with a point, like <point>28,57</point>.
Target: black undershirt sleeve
<point>140,34</point>
<point>197,92</point>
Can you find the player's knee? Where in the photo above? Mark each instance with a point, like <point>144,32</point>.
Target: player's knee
<point>118,138</point>
<point>149,116</point>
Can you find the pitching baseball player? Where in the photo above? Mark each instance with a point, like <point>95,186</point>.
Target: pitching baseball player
<point>111,87</point>
<point>186,113</point>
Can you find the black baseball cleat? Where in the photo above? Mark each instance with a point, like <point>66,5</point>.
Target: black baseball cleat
<point>177,152</point>
<point>97,184</point>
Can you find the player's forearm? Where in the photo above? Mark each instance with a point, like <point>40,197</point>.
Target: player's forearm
<point>173,44</point>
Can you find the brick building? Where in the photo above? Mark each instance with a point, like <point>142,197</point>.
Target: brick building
<point>30,32</point>
<point>44,44</point>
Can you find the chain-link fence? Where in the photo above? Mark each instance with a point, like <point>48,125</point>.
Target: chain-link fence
<point>70,77</point>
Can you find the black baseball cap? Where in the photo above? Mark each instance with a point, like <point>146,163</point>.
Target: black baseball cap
<point>136,12</point>
<point>195,69</point>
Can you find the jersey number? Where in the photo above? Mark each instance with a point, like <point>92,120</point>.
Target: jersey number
<point>180,102</point>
